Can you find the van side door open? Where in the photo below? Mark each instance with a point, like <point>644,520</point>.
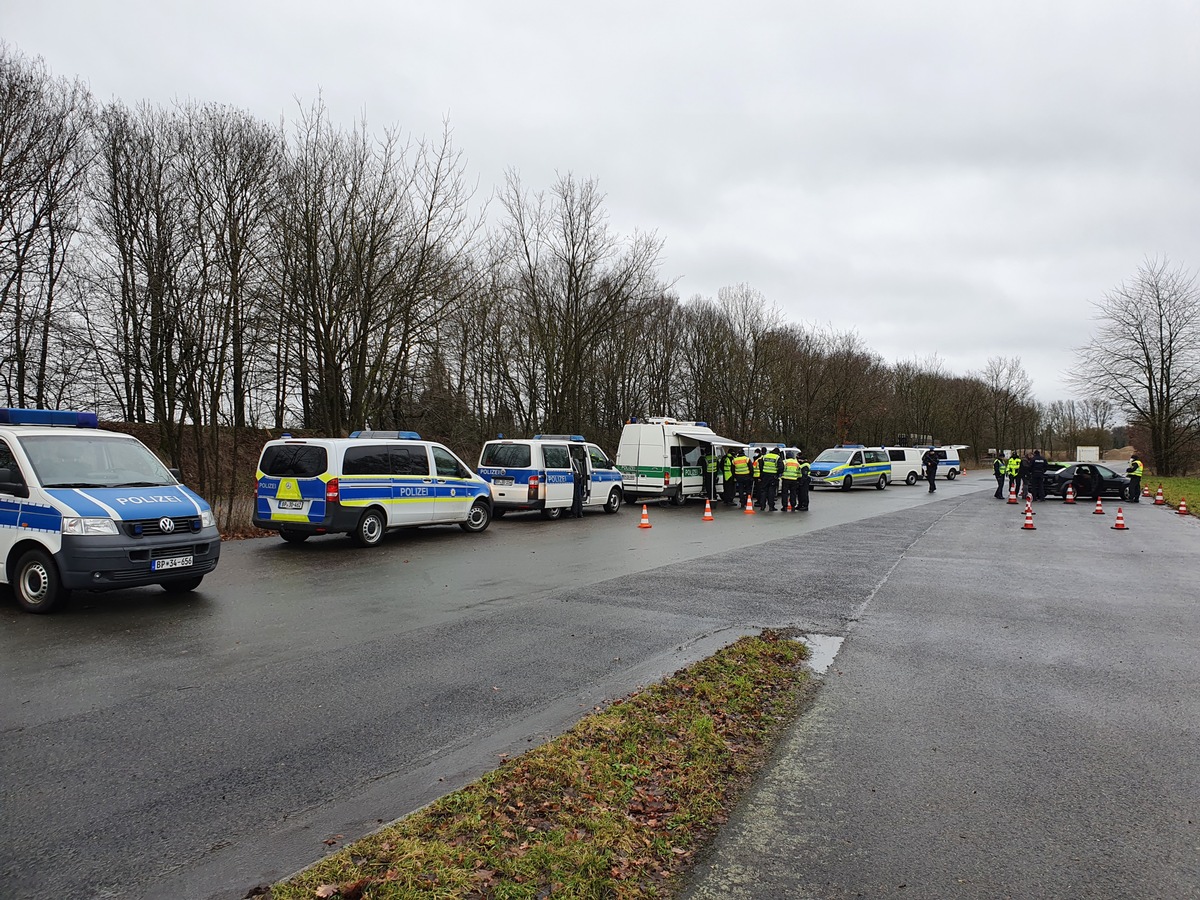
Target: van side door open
<point>559,483</point>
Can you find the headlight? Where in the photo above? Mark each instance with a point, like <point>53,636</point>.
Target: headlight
<point>206,519</point>
<point>77,525</point>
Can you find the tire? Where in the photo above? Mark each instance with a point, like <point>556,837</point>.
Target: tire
<point>847,483</point>
<point>293,537</point>
<point>37,584</point>
<point>183,585</point>
<point>881,483</point>
<point>370,528</point>
<point>952,474</point>
<point>614,501</point>
<point>551,515</point>
<point>478,518</point>
<point>910,479</point>
<point>677,498</point>
<point>630,499</point>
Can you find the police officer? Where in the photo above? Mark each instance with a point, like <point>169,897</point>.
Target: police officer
<point>930,462</point>
<point>1134,472</point>
<point>802,485</point>
<point>789,478</point>
<point>1014,473</point>
<point>710,473</point>
<point>1037,475</point>
<point>756,477</point>
<point>741,473</point>
<point>999,469</point>
<point>768,480</point>
<point>727,486</point>
<point>578,474</point>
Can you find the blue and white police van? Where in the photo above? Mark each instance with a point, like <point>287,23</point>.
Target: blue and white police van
<point>537,473</point>
<point>365,485</point>
<point>86,509</point>
<point>851,465</point>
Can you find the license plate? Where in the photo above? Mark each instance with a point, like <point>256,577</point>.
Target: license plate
<point>174,562</point>
<point>504,481</point>
<point>291,504</point>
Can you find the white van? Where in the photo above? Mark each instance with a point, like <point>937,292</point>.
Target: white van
<point>86,509</point>
<point>662,458</point>
<point>949,463</point>
<point>906,464</point>
<point>536,474</point>
<point>364,485</point>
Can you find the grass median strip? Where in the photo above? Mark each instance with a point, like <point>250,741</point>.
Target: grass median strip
<point>1174,488</point>
<point>616,807</point>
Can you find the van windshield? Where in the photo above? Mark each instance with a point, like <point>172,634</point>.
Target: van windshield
<point>506,456</point>
<point>94,461</point>
<point>834,456</point>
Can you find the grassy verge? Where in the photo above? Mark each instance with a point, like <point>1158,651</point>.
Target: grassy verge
<point>1174,488</point>
<point>616,807</point>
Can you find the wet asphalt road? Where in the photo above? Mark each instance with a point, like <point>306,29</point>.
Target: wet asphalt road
<point>193,748</point>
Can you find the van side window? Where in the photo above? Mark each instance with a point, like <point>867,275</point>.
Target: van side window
<point>409,460</point>
<point>8,461</point>
<point>447,465</point>
<point>294,461</point>
<point>556,457</point>
<point>856,459</point>
<point>366,460</point>
<point>896,455</point>
<point>599,460</point>
<point>941,454</point>
<point>676,458</point>
<point>876,456</point>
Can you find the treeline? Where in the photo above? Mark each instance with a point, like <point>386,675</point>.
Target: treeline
<point>194,265</point>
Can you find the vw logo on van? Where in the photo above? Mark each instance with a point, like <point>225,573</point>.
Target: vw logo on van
<point>166,525</point>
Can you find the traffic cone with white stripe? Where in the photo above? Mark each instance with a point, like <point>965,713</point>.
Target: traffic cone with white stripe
<point>1070,494</point>
<point>1119,525</point>
<point>1029,526</point>
<point>708,516</point>
<point>1146,492</point>
<point>1012,493</point>
<point>645,523</point>
<point>1029,505</point>
<point>749,510</point>
<point>1099,510</point>
<point>1159,499</point>
<point>1182,506</point>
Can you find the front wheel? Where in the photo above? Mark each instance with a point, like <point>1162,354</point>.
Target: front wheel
<point>182,585</point>
<point>37,585</point>
<point>952,474</point>
<point>881,483</point>
<point>614,502</point>
<point>552,514</point>
<point>370,528</point>
<point>847,483</point>
<point>478,518</point>
<point>910,479</point>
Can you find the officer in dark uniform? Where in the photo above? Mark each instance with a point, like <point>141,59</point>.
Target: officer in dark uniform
<point>802,485</point>
<point>930,462</point>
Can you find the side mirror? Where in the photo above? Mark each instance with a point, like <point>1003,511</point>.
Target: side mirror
<point>176,474</point>
<point>11,484</point>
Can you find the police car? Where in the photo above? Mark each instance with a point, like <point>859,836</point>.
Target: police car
<point>848,465</point>
<point>82,508</point>
<point>538,474</point>
<point>365,485</point>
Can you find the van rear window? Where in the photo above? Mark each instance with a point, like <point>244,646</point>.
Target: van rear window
<point>294,461</point>
<point>508,456</point>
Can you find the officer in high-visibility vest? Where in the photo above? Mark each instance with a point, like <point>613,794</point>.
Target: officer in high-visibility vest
<point>768,481</point>
<point>1135,471</point>
<point>710,473</point>
<point>742,476</point>
<point>727,484</point>
<point>1014,473</point>
<point>999,469</point>
<point>756,476</point>
<point>789,478</point>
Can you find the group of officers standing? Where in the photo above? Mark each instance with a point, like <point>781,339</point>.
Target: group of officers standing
<point>771,479</point>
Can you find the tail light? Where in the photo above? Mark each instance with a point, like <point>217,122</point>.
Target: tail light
<point>255,490</point>
<point>533,487</point>
<point>667,478</point>
<point>331,491</point>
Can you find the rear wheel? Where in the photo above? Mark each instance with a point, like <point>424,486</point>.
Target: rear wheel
<point>881,483</point>
<point>293,537</point>
<point>36,583</point>
<point>847,483</point>
<point>369,530</point>
<point>478,518</point>
<point>952,474</point>
<point>614,501</point>
<point>182,585</point>
<point>552,514</point>
<point>910,479</point>
<point>677,498</point>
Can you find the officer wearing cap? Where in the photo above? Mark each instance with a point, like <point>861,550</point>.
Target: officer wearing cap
<point>802,484</point>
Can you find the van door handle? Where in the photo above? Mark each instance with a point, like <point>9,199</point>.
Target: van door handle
<point>427,480</point>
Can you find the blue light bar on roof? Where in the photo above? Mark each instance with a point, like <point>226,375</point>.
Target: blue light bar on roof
<point>558,437</point>
<point>852,446</point>
<point>387,435</point>
<point>60,417</point>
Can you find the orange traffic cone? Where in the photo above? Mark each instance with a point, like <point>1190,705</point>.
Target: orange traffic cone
<point>1182,506</point>
<point>1029,526</point>
<point>1029,505</point>
<point>788,506</point>
<point>645,523</point>
<point>1145,492</point>
<point>749,510</point>
<point>708,516</point>
<point>1159,499</point>
<point>1099,510</point>
<point>1070,494</point>
<point>1119,525</point>
<point>1012,494</point>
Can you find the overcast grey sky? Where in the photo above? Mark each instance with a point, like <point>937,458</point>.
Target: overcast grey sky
<point>947,178</point>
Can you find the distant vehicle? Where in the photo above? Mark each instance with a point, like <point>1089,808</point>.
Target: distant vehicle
<point>849,465</point>
<point>1079,474</point>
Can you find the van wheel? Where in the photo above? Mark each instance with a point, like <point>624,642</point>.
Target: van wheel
<point>478,518</point>
<point>630,499</point>
<point>552,514</point>
<point>370,528</point>
<point>182,585</point>
<point>37,585</point>
<point>847,483</point>
<point>952,474</point>
<point>614,502</point>
<point>677,499</point>
<point>881,483</point>
<point>910,479</point>
<point>293,537</point>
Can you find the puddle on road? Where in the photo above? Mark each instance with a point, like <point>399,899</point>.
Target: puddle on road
<point>822,649</point>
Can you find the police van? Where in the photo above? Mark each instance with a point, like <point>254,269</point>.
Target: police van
<point>86,509</point>
<point>539,473</point>
<point>908,462</point>
<point>365,485</point>
<point>848,465</point>
<point>663,458</point>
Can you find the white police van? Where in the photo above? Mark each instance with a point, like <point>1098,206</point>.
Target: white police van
<point>663,458</point>
<point>848,465</point>
<point>86,509</point>
<point>537,474</point>
<point>365,485</point>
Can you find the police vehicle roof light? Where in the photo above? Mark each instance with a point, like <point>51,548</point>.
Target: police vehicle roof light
<point>61,417</point>
<point>387,435</point>
<point>851,446</point>
<point>558,437</point>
